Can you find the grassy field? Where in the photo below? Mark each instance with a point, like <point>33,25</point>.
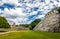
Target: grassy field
<point>29,35</point>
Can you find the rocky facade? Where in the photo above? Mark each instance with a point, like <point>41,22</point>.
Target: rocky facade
<point>51,23</point>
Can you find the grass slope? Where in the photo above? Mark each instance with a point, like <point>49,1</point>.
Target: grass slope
<point>29,35</point>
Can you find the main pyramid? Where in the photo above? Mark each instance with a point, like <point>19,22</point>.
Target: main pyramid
<point>51,22</point>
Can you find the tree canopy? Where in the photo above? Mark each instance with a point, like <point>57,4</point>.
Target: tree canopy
<point>58,9</point>
<point>34,23</point>
<point>4,23</point>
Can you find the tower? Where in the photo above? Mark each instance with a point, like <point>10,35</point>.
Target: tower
<point>13,26</point>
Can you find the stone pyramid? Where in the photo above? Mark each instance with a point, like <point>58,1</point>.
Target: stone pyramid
<point>51,22</point>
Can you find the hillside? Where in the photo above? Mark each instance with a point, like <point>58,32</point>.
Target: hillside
<point>32,24</point>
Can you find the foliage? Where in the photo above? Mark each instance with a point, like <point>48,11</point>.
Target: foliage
<point>4,23</point>
<point>25,25</point>
<point>34,23</point>
<point>58,9</point>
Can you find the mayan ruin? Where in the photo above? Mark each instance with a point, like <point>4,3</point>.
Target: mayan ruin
<point>51,22</point>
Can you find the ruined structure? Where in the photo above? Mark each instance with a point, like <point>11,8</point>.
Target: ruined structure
<point>51,23</point>
<point>14,27</point>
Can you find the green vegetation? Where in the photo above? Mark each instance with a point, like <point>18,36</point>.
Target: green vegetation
<point>25,25</point>
<point>30,35</point>
<point>34,23</point>
<point>58,9</point>
<point>4,23</point>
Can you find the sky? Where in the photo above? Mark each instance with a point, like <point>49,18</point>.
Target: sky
<point>26,11</point>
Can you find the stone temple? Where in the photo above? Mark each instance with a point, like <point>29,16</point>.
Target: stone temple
<point>51,22</point>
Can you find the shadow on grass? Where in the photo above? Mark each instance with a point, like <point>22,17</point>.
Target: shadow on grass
<point>3,31</point>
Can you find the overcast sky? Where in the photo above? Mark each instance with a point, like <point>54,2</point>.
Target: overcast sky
<point>25,11</point>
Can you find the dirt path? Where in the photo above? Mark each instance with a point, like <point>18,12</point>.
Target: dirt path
<point>11,31</point>
<point>4,32</point>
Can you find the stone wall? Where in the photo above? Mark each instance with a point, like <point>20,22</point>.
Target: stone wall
<point>18,28</point>
<point>51,23</point>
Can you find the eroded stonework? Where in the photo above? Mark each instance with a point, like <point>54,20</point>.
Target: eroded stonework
<point>51,23</point>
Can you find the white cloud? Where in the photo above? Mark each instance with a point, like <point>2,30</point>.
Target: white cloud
<point>40,16</point>
<point>17,15</point>
<point>33,13</point>
<point>18,11</point>
<point>0,10</point>
<point>20,17</point>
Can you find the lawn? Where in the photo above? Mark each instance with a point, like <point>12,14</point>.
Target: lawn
<point>29,35</point>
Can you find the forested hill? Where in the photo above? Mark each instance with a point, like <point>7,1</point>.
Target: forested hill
<point>32,24</point>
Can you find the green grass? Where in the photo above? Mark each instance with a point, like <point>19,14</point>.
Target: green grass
<point>30,35</point>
